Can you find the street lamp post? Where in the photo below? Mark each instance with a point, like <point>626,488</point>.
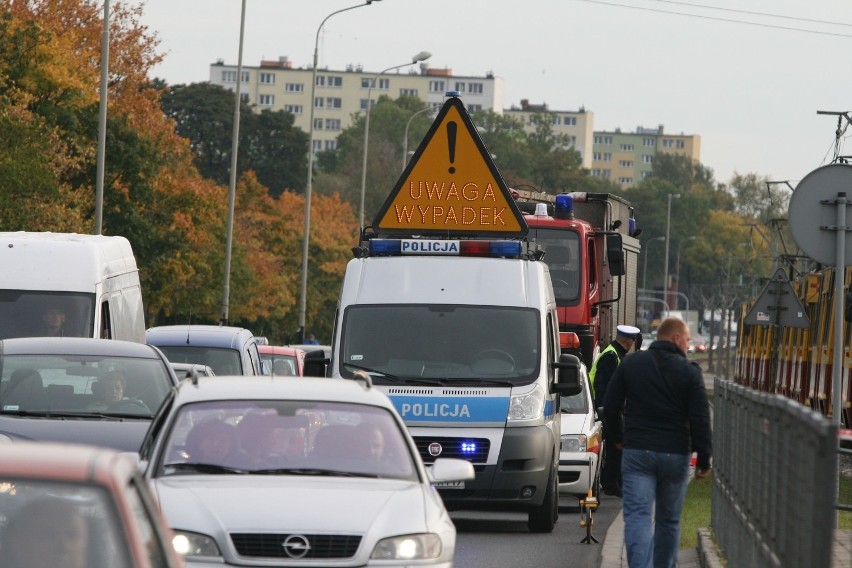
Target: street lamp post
<point>102,119</point>
<point>405,136</point>
<point>303,296</point>
<point>232,185</point>
<point>645,269</point>
<point>677,264</point>
<point>422,56</point>
<point>666,268</point>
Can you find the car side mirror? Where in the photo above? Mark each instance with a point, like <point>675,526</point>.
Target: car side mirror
<point>568,379</point>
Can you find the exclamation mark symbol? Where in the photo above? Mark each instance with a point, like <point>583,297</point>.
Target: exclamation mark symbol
<point>451,143</point>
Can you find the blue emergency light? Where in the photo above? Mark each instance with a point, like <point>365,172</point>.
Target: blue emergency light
<point>467,448</point>
<point>563,206</point>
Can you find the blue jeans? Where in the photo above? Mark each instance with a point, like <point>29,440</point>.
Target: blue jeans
<point>654,489</point>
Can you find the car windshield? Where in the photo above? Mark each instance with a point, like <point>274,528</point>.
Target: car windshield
<point>222,361</point>
<point>286,437</point>
<point>441,341</point>
<point>60,384</point>
<point>78,522</point>
<point>25,313</point>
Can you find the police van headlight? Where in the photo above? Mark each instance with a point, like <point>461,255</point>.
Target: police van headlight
<point>527,406</point>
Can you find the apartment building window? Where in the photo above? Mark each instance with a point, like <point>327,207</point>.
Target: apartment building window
<point>365,102</point>
<point>681,144</point>
<point>625,180</point>
<point>647,159</point>
<point>645,175</point>
<point>408,92</point>
<point>625,163</point>
<point>459,86</point>
<point>474,88</point>
<point>571,140</point>
<point>365,82</point>
<point>319,102</point>
<point>596,172</point>
<point>627,147</point>
<point>607,157</point>
<point>556,120</point>
<point>474,108</point>
<point>437,86</point>
<point>605,140</point>
<point>329,81</point>
<point>383,84</point>
<point>317,145</point>
<point>667,143</point>
<point>267,78</point>
<point>244,97</point>
<point>330,144</point>
<point>569,120</point>
<point>318,124</point>
<point>294,87</point>
<point>436,106</point>
<point>229,76</point>
<point>648,142</point>
<point>293,109</point>
<point>332,124</point>
<point>333,102</point>
<point>606,174</point>
<point>266,100</point>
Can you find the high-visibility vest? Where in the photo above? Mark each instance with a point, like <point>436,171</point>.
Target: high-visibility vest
<point>594,370</point>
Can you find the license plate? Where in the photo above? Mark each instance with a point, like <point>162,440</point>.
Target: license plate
<point>450,485</point>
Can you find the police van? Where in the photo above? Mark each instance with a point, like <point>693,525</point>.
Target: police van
<point>452,314</point>
<point>68,284</point>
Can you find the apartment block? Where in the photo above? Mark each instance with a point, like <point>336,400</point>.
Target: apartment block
<point>577,126</point>
<point>340,94</point>
<point>626,158</point>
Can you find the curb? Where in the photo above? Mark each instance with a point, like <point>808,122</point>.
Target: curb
<point>708,553</point>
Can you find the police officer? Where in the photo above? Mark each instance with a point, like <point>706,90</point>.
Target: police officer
<point>626,337</point>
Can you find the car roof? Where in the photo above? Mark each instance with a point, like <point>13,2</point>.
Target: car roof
<point>199,335</point>
<point>278,350</point>
<point>267,387</point>
<point>66,462</point>
<point>76,346</point>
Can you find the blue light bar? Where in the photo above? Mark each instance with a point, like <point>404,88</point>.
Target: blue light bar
<point>564,202</point>
<point>385,247</point>
<point>509,249</point>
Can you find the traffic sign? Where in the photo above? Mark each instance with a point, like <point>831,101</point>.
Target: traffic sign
<point>812,214</point>
<point>451,186</point>
<point>778,305</point>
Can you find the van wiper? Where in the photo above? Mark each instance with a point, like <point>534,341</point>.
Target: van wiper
<point>207,468</point>
<point>383,374</point>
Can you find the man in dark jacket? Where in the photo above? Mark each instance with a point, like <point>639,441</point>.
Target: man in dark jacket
<point>666,417</point>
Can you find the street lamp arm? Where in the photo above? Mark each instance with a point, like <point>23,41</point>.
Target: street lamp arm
<point>422,56</point>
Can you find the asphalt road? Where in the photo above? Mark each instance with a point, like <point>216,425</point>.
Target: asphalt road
<point>501,540</point>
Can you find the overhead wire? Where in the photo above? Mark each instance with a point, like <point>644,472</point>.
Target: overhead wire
<point>795,18</point>
<point>718,19</point>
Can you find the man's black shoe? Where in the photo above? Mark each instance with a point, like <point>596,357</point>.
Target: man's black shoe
<point>612,491</point>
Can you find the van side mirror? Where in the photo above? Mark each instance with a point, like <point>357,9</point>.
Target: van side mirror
<point>568,380</point>
<point>316,363</point>
<point>615,254</point>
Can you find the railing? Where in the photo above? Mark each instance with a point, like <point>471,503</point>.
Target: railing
<point>775,480</point>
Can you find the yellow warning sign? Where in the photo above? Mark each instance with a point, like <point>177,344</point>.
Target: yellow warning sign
<point>451,186</point>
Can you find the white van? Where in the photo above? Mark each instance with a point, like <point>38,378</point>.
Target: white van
<point>468,350</point>
<point>68,284</point>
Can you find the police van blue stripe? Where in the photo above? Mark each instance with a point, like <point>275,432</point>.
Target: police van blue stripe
<point>452,409</point>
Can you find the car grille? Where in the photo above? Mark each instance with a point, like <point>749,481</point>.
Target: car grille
<point>268,545</point>
<point>452,448</point>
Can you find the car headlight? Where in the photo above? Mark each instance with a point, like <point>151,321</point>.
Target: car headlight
<point>574,443</point>
<point>408,547</point>
<point>194,544</point>
<point>527,406</point>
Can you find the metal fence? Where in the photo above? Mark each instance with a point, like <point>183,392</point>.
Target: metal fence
<point>774,480</point>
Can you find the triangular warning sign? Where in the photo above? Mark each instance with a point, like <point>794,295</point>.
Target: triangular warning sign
<point>778,305</point>
<point>451,186</point>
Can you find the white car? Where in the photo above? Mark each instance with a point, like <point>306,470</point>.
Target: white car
<point>252,471</point>
<point>582,443</point>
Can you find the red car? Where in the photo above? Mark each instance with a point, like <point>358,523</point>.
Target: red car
<point>279,360</point>
<point>78,506</point>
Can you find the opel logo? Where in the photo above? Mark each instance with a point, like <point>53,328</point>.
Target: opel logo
<point>296,546</point>
<point>435,449</point>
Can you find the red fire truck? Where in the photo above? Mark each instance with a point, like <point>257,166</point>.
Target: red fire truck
<point>590,245</point>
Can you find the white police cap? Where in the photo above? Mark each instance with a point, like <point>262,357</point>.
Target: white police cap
<point>628,331</point>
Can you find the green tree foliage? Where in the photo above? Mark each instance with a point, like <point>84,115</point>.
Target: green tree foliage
<point>270,144</point>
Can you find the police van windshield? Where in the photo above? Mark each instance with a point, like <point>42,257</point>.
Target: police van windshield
<point>562,256</point>
<point>27,313</point>
<point>452,342</point>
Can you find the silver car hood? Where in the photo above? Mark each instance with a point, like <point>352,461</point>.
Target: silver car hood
<point>215,505</point>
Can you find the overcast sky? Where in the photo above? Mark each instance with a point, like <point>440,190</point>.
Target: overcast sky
<point>750,90</point>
